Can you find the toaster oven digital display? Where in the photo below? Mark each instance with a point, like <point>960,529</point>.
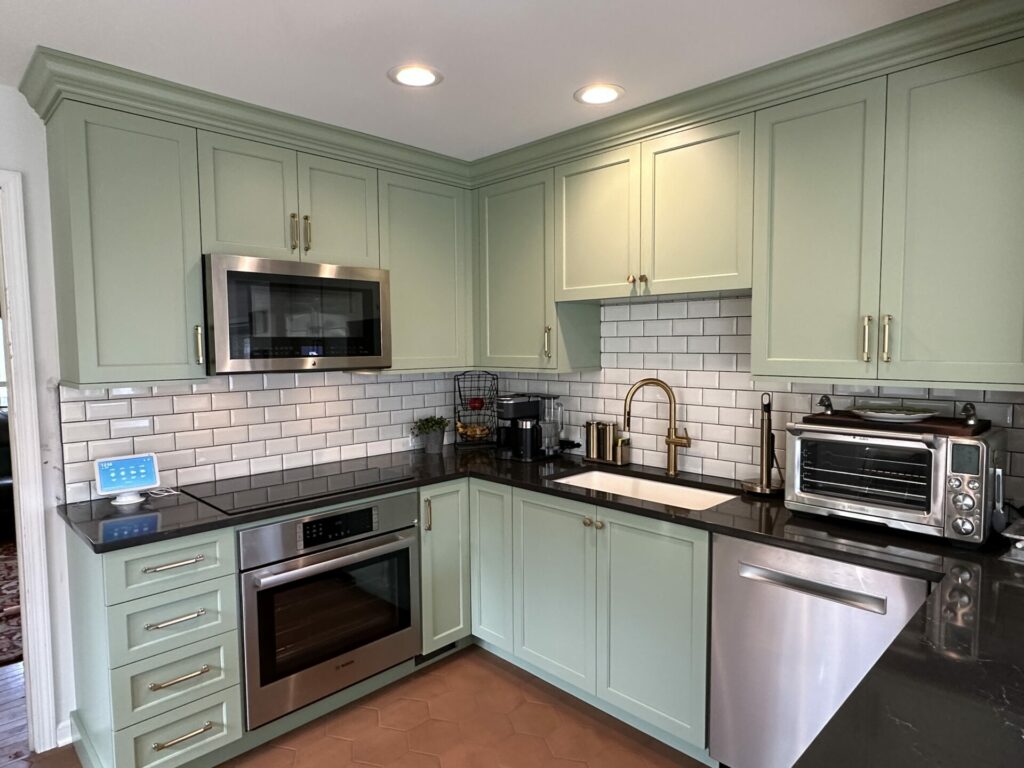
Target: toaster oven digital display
<point>966,459</point>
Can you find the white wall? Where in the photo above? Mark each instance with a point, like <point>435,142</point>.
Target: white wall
<point>23,149</point>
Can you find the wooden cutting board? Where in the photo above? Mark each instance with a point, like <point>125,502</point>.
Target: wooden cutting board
<point>936,425</point>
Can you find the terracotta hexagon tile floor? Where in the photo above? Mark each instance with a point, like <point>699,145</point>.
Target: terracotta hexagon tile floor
<point>469,711</point>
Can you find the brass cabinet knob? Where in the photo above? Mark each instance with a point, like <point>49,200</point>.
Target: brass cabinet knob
<point>643,278</point>
<point>630,279</point>
<point>599,524</point>
<point>587,522</point>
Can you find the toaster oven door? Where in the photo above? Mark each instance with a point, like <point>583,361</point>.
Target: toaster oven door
<point>887,478</point>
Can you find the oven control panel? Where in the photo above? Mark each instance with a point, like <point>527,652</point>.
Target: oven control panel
<point>331,528</point>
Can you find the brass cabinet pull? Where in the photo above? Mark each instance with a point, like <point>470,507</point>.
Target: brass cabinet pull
<point>886,352</point>
<point>630,279</point>
<point>430,514</point>
<point>587,522</point>
<point>160,746</point>
<point>184,678</point>
<point>171,622</point>
<point>866,346</point>
<point>599,524</point>
<point>172,566</point>
<point>547,341</point>
<point>643,278</point>
<point>200,352</point>
<point>307,227</point>
<point>294,224</point>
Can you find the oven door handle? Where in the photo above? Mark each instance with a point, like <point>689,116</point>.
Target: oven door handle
<point>397,542</point>
<point>925,438</point>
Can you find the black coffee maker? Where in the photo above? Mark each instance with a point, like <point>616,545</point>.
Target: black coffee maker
<point>519,430</point>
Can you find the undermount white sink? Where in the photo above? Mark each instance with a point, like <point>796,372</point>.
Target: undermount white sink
<point>648,490</point>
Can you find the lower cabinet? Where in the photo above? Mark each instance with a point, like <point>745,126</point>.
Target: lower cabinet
<point>490,559</point>
<point>444,563</point>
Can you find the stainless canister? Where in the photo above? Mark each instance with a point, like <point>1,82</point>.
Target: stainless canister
<point>592,441</point>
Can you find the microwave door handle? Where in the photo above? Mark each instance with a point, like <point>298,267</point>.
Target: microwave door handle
<point>280,579</point>
<point>925,438</point>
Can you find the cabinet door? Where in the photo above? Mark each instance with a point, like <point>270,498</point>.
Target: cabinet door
<point>338,209</point>
<point>555,600</point>
<point>597,226</point>
<point>817,233</point>
<point>490,536</point>
<point>127,255</point>
<point>697,208</point>
<point>517,298</point>
<point>250,198</point>
<point>652,621</point>
<point>444,563</point>
<point>424,242</point>
<point>953,245</point>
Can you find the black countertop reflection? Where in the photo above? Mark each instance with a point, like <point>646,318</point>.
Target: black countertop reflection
<point>949,691</point>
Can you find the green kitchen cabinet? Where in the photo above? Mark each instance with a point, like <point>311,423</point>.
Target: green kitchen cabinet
<point>696,210</point>
<point>953,233</point>
<point>817,233</point>
<point>652,621</point>
<point>444,563</point>
<point>338,211</point>
<point>554,587</point>
<point>424,242</point>
<point>490,537</point>
<point>250,197</point>
<point>597,226</point>
<point>518,323</point>
<point>127,258</point>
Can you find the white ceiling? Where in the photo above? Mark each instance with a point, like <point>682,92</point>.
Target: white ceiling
<point>510,67</point>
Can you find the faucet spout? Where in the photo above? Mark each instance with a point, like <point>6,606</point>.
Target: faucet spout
<point>672,439</point>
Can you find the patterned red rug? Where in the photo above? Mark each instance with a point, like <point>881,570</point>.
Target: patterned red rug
<point>10,625</point>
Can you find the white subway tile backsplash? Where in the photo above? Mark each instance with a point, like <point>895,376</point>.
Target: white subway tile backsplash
<point>131,427</point>
<point>152,406</point>
<point>200,438</point>
<point>107,409</point>
<point>190,403</point>
<point>228,400</point>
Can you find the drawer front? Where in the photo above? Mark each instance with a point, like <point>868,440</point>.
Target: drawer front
<point>152,625</point>
<point>183,734</point>
<point>141,571</point>
<point>156,685</point>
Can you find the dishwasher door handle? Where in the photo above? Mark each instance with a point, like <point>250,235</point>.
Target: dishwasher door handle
<point>850,597</point>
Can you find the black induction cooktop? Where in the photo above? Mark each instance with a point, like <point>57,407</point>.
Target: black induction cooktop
<point>301,487</point>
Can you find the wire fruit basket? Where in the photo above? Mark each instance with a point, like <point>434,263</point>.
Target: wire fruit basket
<point>476,420</point>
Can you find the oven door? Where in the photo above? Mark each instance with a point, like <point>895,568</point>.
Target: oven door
<point>269,315</point>
<point>882,477</point>
<point>317,624</point>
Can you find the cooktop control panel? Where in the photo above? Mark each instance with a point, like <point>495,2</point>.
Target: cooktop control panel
<point>327,529</point>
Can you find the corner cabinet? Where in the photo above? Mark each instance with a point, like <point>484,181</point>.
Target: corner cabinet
<point>272,202</point>
<point>444,563</point>
<point>817,234</point>
<point>424,242</point>
<point>490,540</point>
<point>127,257</point>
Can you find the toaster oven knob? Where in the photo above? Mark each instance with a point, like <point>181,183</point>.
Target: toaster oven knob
<point>974,485</point>
<point>954,482</point>
<point>964,502</point>
<point>963,526</point>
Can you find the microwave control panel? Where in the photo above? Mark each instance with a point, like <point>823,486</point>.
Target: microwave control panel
<point>332,528</point>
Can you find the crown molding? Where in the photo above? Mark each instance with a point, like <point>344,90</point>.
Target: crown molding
<point>53,76</point>
<point>943,32</point>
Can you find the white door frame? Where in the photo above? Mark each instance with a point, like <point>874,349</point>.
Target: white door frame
<point>26,464</point>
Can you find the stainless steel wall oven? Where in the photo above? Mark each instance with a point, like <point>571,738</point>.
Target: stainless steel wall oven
<point>327,600</point>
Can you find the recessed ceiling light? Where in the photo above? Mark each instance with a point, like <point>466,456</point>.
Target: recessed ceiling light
<point>415,75</point>
<point>598,93</point>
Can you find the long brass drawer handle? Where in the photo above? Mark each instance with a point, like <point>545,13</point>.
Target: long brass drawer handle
<point>293,221</point>
<point>159,747</point>
<point>200,347</point>
<point>172,566</point>
<point>307,226</point>
<point>866,345</point>
<point>183,679</point>
<point>171,622</point>
<point>547,341</point>
<point>430,514</point>
<point>886,352</point>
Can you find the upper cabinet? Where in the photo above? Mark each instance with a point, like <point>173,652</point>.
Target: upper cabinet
<point>696,209</point>
<point>127,259</point>
<point>262,200</point>
<point>953,235</point>
<point>817,233</point>
<point>424,242</point>
<point>597,226</point>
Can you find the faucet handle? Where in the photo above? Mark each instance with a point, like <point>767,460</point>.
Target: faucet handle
<point>826,402</point>
<point>970,414</point>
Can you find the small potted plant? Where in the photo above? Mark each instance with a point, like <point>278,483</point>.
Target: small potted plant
<point>432,429</point>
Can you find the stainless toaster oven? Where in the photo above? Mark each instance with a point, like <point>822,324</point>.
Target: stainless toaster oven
<point>926,483</point>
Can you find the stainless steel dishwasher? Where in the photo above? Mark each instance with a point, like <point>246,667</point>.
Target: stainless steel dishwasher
<point>791,637</point>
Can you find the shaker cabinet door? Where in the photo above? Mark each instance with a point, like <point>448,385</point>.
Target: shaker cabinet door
<point>338,210</point>
<point>126,246</point>
<point>490,536</point>
<point>817,232</point>
<point>444,563</point>
<point>953,244</point>
<point>250,198</point>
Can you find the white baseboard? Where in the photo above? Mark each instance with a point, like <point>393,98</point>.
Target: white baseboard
<point>64,733</point>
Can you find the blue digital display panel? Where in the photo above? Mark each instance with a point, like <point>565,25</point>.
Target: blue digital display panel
<point>126,474</point>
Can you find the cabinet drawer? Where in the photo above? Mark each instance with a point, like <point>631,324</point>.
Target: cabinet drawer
<point>156,685</point>
<point>183,734</point>
<point>152,625</point>
<point>140,571</point>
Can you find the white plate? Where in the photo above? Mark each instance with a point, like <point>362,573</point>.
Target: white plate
<point>908,416</point>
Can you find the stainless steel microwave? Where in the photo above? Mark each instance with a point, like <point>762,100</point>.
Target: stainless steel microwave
<point>943,486</point>
<point>269,315</point>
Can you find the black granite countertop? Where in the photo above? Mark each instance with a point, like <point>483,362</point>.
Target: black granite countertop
<point>949,691</point>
